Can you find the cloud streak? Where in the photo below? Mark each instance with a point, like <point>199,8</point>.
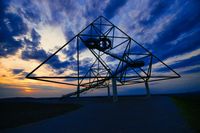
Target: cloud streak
<point>113,7</point>
<point>178,58</point>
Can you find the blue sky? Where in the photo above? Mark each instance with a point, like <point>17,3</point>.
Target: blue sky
<point>30,31</point>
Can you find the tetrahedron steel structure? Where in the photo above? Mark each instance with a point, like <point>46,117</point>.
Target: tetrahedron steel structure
<point>111,55</point>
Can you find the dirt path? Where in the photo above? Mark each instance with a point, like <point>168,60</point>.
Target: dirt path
<point>157,114</point>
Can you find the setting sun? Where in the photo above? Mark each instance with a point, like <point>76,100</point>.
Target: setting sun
<point>28,90</point>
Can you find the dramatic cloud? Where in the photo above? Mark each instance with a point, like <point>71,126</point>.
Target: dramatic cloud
<point>17,71</point>
<point>33,53</point>
<point>184,21</point>
<point>113,7</point>
<point>30,31</point>
<point>158,8</point>
<point>11,25</point>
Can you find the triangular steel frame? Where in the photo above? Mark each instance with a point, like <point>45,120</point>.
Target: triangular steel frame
<point>98,81</point>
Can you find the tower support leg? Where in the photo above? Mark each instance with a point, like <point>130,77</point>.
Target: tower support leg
<point>147,88</point>
<point>78,91</point>
<point>114,89</point>
<point>108,91</point>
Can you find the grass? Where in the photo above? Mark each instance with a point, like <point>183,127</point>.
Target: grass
<point>16,114</point>
<point>190,109</point>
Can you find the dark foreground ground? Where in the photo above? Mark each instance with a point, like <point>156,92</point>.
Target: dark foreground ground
<point>19,111</point>
<point>157,114</point>
<point>189,106</point>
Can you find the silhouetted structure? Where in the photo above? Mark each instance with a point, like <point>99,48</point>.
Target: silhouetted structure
<point>134,62</point>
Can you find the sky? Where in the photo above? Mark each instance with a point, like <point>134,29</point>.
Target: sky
<point>31,30</point>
